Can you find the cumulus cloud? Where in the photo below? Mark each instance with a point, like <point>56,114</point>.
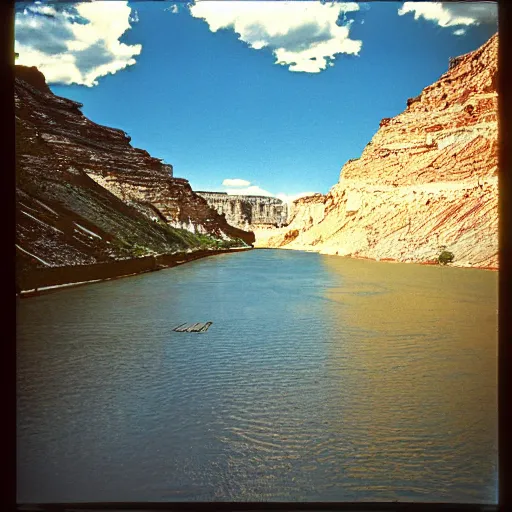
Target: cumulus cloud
<point>243,187</point>
<point>235,182</point>
<point>75,43</point>
<point>305,36</point>
<point>253,190</point>
<point>453,14</point>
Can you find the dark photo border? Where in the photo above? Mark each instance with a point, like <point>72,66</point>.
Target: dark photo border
<point>505,310</point>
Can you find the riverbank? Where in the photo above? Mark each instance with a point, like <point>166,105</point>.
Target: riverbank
<point>384,260</point>
<point>426,262</point>
<point>47,280</point>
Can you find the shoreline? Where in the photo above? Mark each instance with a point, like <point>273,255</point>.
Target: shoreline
<point>384,260</point>
<point>52,279</point>
<point>58,278</point>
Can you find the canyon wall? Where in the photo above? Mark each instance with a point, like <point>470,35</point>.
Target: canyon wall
<point>426,182</point>
<point>85,195</point>
<point>248,212</point>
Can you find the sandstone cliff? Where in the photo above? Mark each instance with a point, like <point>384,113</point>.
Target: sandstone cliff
<point>85,195</point>
<point>248,212</point>
<point>426,182</point>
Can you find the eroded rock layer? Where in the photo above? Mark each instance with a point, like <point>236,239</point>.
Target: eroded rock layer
<point>426,182</point>
<point>85,195</point>
<point>248,212</point>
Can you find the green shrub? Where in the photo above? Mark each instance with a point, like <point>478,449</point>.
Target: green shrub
<point>446,257</point>
<point>138,251</point>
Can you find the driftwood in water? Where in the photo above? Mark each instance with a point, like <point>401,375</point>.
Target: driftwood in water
<point>197,327</point>
<point>194,327</point>
<point>205,327</point>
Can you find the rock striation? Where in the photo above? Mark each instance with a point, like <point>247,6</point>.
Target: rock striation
<point>85,195</point>
<point>248,212</point>
<point>426,182</point>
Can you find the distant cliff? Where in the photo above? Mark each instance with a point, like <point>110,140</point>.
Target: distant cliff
<point>426,182</point>
<point>248,212</point>
<point>303,214</point>
<point>86,196</point>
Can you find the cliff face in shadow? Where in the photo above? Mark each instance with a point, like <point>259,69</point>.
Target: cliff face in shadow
<point>425,183</point>
<point>85,195</point>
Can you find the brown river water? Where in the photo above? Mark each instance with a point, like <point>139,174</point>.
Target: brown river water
<point>321,379</point>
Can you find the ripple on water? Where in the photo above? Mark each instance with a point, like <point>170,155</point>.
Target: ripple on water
<point>321,378</point>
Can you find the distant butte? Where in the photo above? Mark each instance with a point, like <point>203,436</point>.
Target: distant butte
<point>248,212</point>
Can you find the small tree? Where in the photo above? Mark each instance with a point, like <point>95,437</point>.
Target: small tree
<point>446,257</point>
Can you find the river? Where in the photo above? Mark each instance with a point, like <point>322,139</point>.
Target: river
<point>321,379</point>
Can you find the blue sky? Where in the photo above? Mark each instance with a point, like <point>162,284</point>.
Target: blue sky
<point>200,86</point>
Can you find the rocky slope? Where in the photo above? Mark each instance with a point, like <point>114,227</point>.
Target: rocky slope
<point>85,195</point>
<point>426,182</point>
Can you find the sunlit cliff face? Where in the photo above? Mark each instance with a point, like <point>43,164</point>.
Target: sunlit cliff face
<point>426,182</point>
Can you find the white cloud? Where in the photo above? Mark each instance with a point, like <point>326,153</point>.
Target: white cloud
<point>290,198</point>
<point>172,8</point>
<point>305,36</point>
<point>236,186</point>
<point>253,190</point>
<point>75,43</point>
<point>236,182</point>
<point>453,14</point>
<point>459,32</point>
